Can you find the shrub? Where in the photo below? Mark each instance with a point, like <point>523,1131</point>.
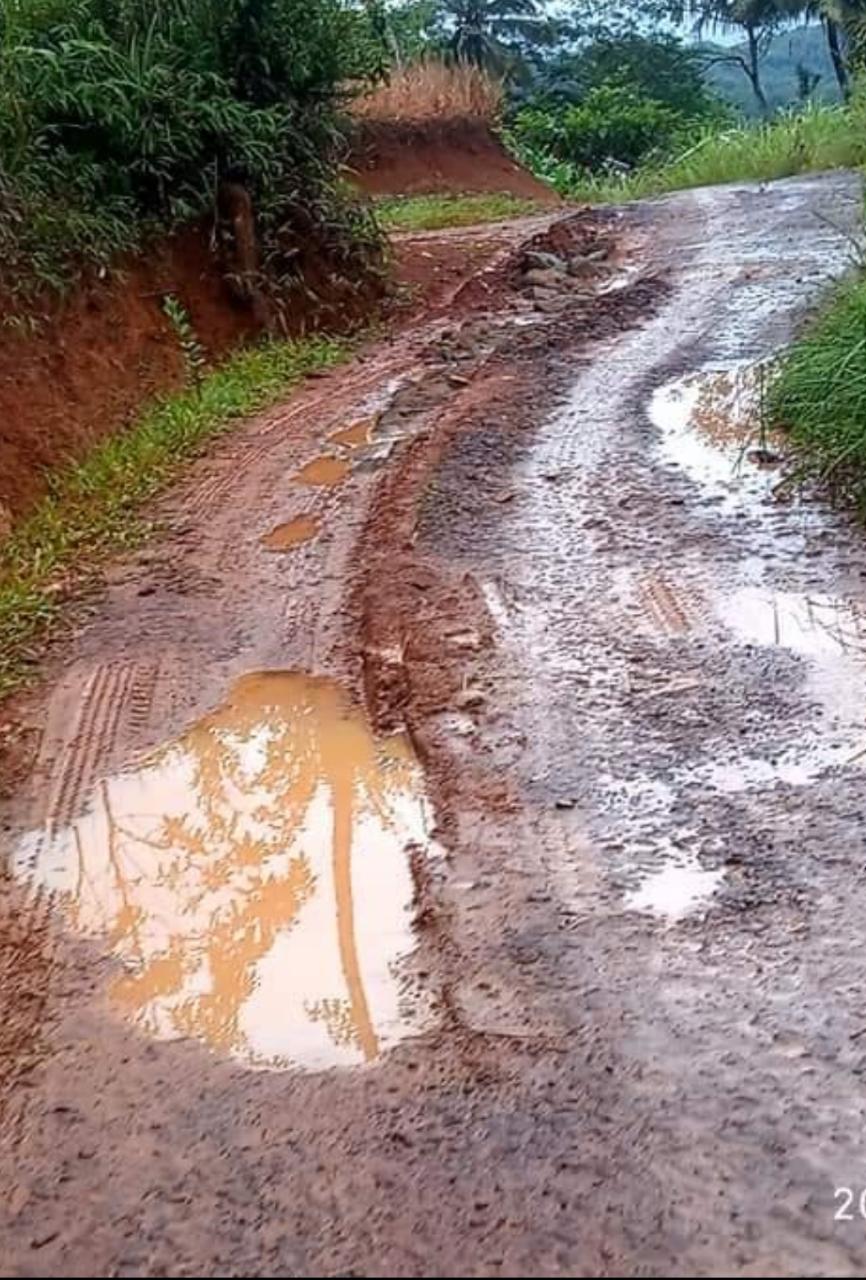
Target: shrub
<point>611,123</point>
<point>119,117</point>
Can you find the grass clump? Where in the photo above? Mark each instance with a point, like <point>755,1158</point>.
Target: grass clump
<point>433,212</point>
<point>94,506</point>
<point>819,396</point>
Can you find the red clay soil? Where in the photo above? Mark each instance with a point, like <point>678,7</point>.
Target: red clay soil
<point>391,158</point>
<point>107,349</point>
<point>98,355</point>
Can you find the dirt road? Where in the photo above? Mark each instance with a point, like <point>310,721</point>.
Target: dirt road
<point>442,852</point>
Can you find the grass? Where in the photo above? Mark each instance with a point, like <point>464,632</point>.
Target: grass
<point>819,396</point>
<point>816,139</point>
<point>94,507</point>
<point>433,212</point>
<point>432,90</point>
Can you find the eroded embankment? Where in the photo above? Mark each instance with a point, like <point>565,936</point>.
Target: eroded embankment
<point>90,361</point>
<point>438,156</point>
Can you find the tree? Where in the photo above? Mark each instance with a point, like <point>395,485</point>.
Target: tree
<point>759,20</point>
<point>492,33</point>
<point>845,25</point>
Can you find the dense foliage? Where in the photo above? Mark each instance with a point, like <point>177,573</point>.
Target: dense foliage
<point>118,117</point>
<point>616,101</point>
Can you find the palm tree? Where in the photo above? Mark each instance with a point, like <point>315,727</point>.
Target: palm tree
<point>845,24</point>
<point>487,32</point>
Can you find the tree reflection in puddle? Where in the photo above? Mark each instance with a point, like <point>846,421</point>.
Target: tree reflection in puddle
<point>253,878</point>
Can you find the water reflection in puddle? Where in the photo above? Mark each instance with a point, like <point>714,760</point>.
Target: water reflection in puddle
<point>710,424</point>
<point>291,534</point>
<point>324,471</point>
<point>809,624</point>
<point>676,888</point>
<point>253,878</point>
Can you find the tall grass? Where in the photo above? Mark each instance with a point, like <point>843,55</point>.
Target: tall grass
<point>124,118</point>
<point>432,90</point>
<point>815,139</point>
<point>819,396</point>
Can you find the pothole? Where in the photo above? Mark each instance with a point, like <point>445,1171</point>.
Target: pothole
<point>324,471</point>
<point>815,625</point>
<point>356,435</point>
<point>253,879</point>
<point>677,887</point>
<point>291,534</point>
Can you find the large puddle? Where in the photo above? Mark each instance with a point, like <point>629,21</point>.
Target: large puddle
<point>253,878</point>
<point>812,624</point>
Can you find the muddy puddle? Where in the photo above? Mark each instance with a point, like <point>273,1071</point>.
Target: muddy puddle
<point>291,534</point>
<point>711,427</point>
<point>252,878</point>
<point>356,435</point>
<point>324,471</point>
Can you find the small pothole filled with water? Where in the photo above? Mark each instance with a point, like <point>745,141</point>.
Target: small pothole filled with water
<point>711,425</point>
<point>677,887</point>
<point>325,471</point>
<point>356,434</point>
<point>291,534</point>
<point>253,878</point>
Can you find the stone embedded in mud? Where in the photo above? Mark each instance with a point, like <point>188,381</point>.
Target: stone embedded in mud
<point>542,260</point>
<point>545,279</point>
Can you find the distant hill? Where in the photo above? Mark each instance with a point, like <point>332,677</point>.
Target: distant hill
<point>806,45</point>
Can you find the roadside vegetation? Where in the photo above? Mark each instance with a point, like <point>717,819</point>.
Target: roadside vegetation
<point>94,507</point>
<point>121,120</point>
<point>432,90</point>
<point>610,101</point>
<point>807,141</point>
<point>819,397</point>
<point>433,212</point>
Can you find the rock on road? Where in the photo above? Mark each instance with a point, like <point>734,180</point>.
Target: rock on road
<point>443,851</point>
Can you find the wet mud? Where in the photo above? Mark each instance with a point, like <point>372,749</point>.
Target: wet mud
<point>504,916</point>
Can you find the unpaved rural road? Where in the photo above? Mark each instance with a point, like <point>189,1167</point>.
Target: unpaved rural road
<point>442,852</point>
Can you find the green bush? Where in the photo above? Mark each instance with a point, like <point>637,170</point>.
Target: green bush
<point>611,124</point>
<point>119,117</point>
<point>820,395</point>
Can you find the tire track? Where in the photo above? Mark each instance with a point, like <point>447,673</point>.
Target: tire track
<point>92,736</point>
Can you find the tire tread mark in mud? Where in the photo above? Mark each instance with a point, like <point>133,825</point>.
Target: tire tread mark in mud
<point>93,734</point>
<point>668,605</point>
<point>27,967</point>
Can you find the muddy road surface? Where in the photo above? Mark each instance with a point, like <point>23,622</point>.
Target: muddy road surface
<point>442,850</point>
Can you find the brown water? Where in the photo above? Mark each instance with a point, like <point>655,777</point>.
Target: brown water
<point>324,471</point>
<point>359,433</point>
<point>252,878</point>
<point>285,536</point>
